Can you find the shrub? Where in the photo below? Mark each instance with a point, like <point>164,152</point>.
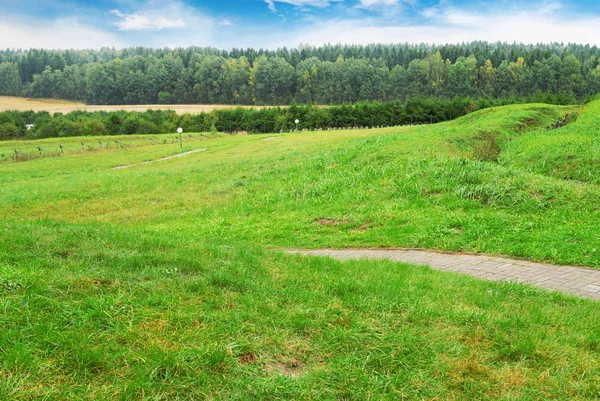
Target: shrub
<point>8,131</point>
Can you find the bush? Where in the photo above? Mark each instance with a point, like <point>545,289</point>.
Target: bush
<point>276,119</point>
<point>8,131</point>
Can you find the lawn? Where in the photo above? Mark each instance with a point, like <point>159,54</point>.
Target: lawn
<point>164,280</point>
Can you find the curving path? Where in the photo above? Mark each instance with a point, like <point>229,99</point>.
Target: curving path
<point>160,160</point>
<point>580,281</point>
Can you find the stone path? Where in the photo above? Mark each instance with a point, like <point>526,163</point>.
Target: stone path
<point>579,281</point>
<point>160,160</point>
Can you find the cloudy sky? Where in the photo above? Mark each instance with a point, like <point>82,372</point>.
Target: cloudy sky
<point>276,23</point>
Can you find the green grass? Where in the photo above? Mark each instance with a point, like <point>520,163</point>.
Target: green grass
<point>163,281</point>
<point>568,153</point>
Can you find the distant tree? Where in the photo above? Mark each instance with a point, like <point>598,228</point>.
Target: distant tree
<point>272,81</point>
<point>10,79</point>
<point>544,76</point>
<point>209,78</point>
<point>570,80</point>
<point>43,84</point>
<point>438,75</point>
<point>101,85</point>
<point>594,80</point>
<point>417,78</point>
<point>307,79</point>
<point>328,88</point>
<point>324,75</point>
<point>459,79</point>
<point>398,83</point>
<point>235,81</point>
<point>487,79</point>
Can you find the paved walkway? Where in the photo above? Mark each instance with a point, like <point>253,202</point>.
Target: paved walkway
<point>160,160</point>
<point>579,281</point>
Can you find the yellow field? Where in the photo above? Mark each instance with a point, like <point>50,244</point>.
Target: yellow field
<point>64,106</point>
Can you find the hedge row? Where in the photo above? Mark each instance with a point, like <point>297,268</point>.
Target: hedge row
<point>267,120</point>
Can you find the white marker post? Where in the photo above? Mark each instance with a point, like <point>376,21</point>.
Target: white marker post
<point>180,131</point>
<point>297,122</point>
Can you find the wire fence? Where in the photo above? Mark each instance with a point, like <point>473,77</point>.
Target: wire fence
<point>55,150</point>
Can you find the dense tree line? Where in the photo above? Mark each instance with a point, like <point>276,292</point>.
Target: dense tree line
<point>249,120</point>
<point>317,75</point>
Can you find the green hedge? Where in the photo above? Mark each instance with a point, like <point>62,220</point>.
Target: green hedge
<point>253,121</point>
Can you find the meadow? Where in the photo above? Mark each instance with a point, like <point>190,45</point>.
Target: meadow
<point>166,280</point>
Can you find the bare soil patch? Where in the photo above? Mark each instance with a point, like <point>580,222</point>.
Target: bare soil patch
<point>291,368</point>
<point>330,222</point>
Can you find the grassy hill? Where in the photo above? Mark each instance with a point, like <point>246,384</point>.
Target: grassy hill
<point>163,280</point>
<point>571,153</point>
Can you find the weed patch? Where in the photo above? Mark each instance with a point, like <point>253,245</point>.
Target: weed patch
<point>487,148</point>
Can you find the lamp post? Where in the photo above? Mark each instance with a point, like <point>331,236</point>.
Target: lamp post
<point>180,131</point>
<point>297,122</point>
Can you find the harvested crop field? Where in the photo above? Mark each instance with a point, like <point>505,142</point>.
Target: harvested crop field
<point>64,106</point>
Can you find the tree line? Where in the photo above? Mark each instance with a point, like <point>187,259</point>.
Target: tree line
<point>13,124</point>
<point>310,75</point>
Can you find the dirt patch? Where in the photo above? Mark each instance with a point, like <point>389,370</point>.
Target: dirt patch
<point>330,222</point>
<point>247,358</point>
<point>566,120</point>
<point>9,286</point>
<point>291,368</point>
<point>362,228</point>
<point>87,282</point>
<point>526,125</point>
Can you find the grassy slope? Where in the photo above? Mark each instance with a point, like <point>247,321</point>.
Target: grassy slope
<point>414,187</point>
<point>569,153</point>
<point>157,282</point>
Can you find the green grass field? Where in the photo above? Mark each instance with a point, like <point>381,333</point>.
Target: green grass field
<point>164,281</point>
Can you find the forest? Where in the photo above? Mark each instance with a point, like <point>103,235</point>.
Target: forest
<point>333,74</point>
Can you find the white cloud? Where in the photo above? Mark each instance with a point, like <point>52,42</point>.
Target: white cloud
<point>146,21</point>
<point>549,7</point>
<point>539,23</point>
<point>379,3</point>
<point>61,33</point>
<point>160,25</point>
<point>172,23</point>
<point>157,15</point>
<point>302,3</point>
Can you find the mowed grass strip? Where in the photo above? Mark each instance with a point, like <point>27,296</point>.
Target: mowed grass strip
<point>98,313</point>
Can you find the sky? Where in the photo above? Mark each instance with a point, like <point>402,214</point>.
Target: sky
<point>226,24</point>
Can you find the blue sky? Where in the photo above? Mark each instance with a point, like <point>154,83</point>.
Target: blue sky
<point>276,23</point>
